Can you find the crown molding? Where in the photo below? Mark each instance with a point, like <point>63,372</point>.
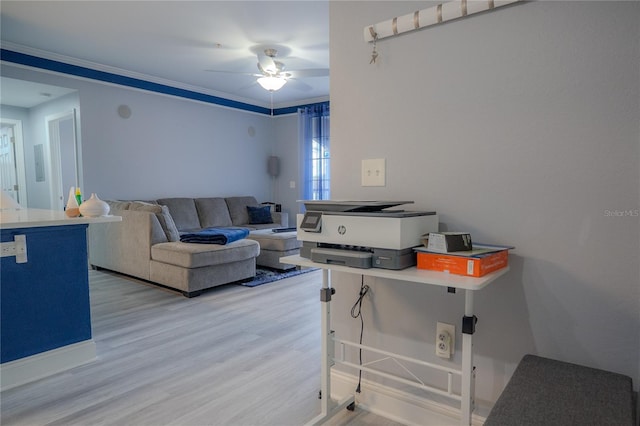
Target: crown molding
<point>26,56</point>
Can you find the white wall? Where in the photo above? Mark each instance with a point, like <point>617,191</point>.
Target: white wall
<point>521,126</point>
<point>168,147</point>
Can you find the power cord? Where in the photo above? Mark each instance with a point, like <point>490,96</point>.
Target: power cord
<point>356,312</point>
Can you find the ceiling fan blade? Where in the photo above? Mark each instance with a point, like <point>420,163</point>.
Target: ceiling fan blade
<point>267,63</point>
<point>311,72</point>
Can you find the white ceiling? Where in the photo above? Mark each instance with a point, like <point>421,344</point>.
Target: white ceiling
<point>27,94</point>
<point>177,41</point>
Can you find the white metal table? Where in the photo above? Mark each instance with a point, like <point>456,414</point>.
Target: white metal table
<point>442,279</point>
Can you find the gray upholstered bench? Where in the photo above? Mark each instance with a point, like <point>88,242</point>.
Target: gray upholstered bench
<point>273,246</point>
<point>546,392</point>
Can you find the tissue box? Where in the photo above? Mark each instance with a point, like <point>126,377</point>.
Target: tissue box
<point>447,242</point>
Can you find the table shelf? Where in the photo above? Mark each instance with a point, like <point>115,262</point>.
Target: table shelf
<point>411,274</point>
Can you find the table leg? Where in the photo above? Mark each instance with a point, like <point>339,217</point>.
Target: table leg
<point>328,407</point>
<point>325,329</point>
<point>468,328</point>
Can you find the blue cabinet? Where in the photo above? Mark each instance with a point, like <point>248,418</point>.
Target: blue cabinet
<point>45,301</point>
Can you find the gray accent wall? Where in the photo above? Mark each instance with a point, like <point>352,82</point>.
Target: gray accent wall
<point>521,126</point>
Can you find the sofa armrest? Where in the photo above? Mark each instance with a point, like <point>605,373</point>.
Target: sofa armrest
<point>125,246</point>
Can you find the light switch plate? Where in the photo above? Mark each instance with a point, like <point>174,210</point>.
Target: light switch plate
<point>373,172</point>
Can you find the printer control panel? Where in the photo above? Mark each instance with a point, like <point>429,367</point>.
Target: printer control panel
<point>312,222</point>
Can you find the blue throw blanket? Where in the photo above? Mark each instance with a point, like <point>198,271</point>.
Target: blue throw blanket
<point>215,235</point>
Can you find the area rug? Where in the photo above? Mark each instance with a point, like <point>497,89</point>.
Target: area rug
<point>265,275</point>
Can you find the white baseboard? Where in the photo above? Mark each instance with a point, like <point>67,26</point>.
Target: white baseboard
<point>35,367</point>
<point>395,404</point>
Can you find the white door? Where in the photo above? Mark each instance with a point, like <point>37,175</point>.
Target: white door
<point>63,155</point>
<point>12,175</point>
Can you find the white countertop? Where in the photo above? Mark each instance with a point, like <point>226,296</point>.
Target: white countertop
<point>31,218</point>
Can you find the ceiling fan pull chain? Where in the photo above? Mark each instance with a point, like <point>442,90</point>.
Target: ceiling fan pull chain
<point>271,93</point>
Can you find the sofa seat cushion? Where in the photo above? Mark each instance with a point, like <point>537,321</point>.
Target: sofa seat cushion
<point>276,241</point>
<point>264,226</point>
<point>191,255</point>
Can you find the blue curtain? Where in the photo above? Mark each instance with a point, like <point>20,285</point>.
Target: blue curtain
<point>314,151</point>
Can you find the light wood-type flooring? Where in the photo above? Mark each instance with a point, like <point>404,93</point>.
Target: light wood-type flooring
<point>232,356</point>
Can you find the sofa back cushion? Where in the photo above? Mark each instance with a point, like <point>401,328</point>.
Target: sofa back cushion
<point>213,212</point>
<point>164,218</point>
<point>238,209</point>
<point>184,213</point>
<point>117,205</point>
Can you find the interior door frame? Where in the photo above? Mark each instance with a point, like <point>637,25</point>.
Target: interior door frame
<point>52,127</point>
<point>18,146</point>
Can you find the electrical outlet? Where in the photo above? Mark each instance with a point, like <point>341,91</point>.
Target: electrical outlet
<point>17,248</point>
<point>445,340</point>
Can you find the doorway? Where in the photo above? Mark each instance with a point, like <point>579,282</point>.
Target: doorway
<point>12,168</point>
<point>63,156</point>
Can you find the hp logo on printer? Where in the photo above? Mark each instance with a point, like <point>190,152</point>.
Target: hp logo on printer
<point>342,229</point>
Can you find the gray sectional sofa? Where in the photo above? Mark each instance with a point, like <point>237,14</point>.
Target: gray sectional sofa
<point>146,244</point>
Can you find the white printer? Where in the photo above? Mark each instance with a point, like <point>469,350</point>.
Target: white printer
<point>362,234</point>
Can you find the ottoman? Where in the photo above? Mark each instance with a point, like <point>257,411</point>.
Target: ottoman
<point>544,391</point>
<point>273,246</point>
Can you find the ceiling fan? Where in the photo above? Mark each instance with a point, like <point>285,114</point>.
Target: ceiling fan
<point>273,74</point>
<point>273,77</point>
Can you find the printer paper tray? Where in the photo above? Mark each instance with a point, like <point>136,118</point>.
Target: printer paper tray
<point>352,258</point>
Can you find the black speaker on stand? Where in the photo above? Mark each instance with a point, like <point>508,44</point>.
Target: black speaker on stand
<point>273,168</point>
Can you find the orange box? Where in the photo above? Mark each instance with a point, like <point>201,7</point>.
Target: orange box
<point>476,266</point>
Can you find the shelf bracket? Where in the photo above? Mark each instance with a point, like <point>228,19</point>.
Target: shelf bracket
<point>325,294</point>
<point>469,324</point>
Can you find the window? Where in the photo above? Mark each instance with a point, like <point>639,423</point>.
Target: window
<point>314,150</point>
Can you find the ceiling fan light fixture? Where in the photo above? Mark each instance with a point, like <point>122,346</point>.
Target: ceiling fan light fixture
<point>272,83</point>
